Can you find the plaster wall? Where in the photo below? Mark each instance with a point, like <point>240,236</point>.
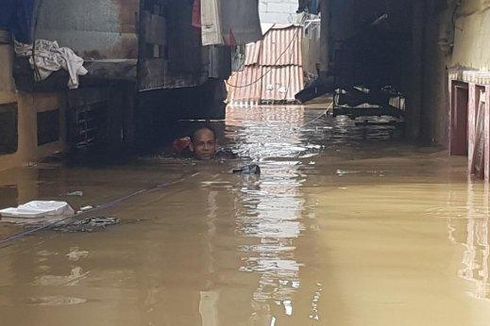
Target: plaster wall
<point>28,105</point>
<point>472,35</point>
<point>28,150</point>
<point>471,30</point>
<point>7,87</point>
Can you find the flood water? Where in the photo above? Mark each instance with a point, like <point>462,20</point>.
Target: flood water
<point>346,226</point>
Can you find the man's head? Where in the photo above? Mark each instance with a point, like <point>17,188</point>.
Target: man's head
<point>203,143</point>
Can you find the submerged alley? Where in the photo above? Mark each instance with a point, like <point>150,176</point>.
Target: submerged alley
<point>267,163</point>
<point>365,230</point>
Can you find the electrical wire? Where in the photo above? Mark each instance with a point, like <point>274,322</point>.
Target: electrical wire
<point>6,241</point>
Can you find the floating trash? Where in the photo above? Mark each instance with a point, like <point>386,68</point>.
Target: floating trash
<point>77,193</point>
<point>248,169</point>
<point>90,224</point>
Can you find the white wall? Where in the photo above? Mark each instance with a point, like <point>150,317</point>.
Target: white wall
<point>472,41</point>
<point>278,11</point>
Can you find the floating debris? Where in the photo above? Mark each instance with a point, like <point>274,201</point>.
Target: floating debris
<point>90,224</point>
<point>75,193</point>
<point>248,169</point>
<point>86,208</point>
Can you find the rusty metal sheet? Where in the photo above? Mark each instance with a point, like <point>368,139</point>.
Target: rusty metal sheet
<point>96,29</point>
<point>273,71</point>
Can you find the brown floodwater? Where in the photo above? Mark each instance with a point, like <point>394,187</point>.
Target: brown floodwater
<point>346,226</point>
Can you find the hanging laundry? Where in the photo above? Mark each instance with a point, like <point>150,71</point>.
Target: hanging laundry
<point>230,22</point>
<point>49,57</point>
<point>196,14</point>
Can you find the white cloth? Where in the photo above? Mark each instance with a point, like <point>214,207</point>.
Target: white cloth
<point>230,22</point>
<point>49,57</point>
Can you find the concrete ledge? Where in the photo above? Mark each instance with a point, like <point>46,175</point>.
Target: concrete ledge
<point>470,76</point>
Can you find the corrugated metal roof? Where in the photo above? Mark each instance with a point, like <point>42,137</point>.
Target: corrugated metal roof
<point>246,85</point>
<point>282,47</point>
<point>273,69</point>
<point>252,53</point>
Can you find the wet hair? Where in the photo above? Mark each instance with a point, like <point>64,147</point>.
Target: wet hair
<point>196,132</point>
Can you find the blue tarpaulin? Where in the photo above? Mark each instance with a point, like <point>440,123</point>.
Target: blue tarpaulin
<point>17,17</point>
<point>310,6</point>
<point>314,7</point>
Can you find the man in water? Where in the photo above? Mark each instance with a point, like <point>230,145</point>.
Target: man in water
<point>203,144</point>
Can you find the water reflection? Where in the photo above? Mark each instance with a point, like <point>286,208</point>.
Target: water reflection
<point>271,211</point>
<point>322,237</point>
<point>471,229</point>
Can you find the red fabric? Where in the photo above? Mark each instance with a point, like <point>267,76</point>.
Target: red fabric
<point>196,14</point>
<point>231,42</point>
<point>181,144</point>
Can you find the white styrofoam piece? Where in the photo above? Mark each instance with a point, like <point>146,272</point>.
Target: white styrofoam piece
<point>39,209</point>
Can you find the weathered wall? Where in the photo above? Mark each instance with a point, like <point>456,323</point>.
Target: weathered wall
<point>99,29</point>
<point>7,87</point>
<point>28,105</point>
<point>472,35</point>
<point>434,95</point>
<point>311,54</point>
<point>28,150</point>
<point>470,32</point>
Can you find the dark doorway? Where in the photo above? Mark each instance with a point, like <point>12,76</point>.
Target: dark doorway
<point>459,119</point>
<point>8,128</point>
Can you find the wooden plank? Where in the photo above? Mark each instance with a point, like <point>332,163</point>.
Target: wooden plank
<point>459,119</point>
<point>487,133</point>
<point>478,158</point>
<point>472,121</point>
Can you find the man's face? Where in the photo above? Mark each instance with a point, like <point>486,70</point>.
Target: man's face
<point>204,145</point>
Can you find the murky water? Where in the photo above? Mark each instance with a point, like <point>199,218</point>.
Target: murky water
<point>345,226</point>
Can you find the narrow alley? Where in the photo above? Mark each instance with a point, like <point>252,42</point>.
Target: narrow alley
<point>304,244</point>
<point>244,162</point>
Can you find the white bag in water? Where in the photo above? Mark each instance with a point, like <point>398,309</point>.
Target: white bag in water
<point>39,209</point>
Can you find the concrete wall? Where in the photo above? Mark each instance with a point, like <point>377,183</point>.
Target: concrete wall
<point>472,35</point>
<point>278,11</point>
<point>429,107</point>
<point>28,106</point>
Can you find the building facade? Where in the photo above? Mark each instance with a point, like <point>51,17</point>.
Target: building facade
<point>149,63</point>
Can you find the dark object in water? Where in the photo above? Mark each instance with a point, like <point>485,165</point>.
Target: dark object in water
<point>89,224</point>
<point>248,169</point>
<point>317,88</point>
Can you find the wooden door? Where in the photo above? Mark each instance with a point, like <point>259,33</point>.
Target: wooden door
<point>459,119</point>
